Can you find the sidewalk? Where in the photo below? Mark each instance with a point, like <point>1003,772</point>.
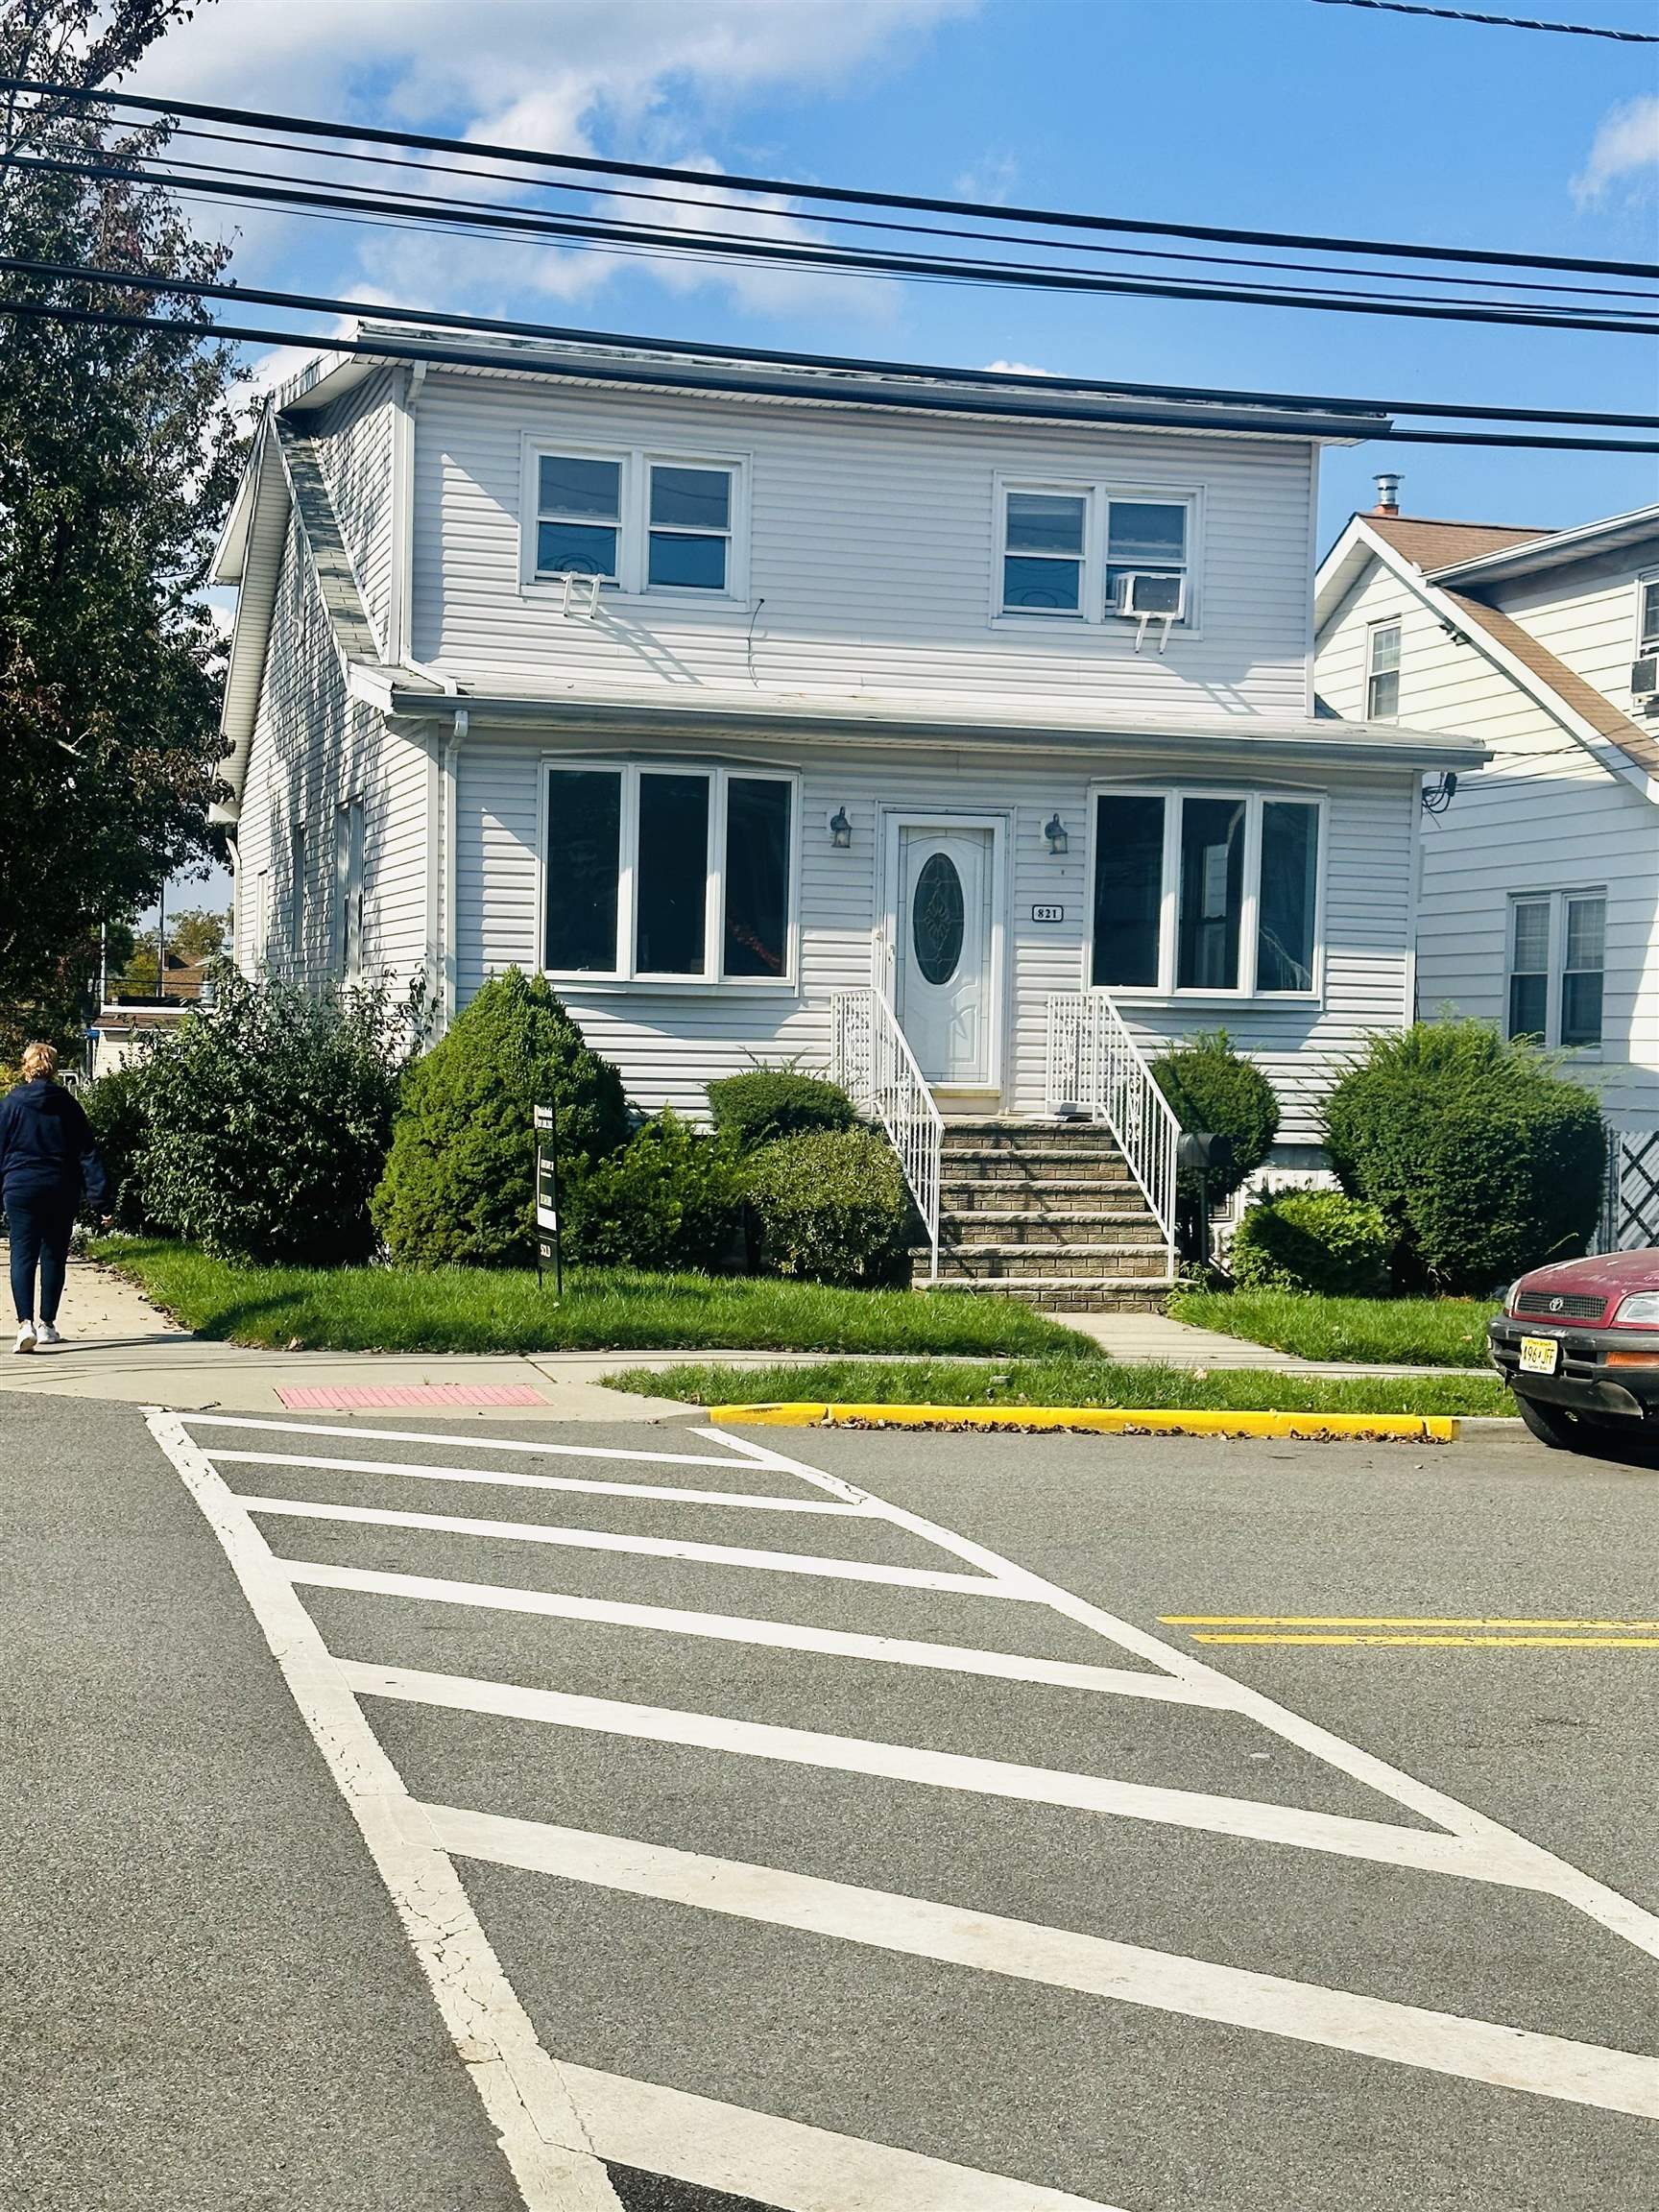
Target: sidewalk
<point>118,1348</point>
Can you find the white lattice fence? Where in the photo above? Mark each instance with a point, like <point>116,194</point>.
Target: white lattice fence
<point>1630,1208</point>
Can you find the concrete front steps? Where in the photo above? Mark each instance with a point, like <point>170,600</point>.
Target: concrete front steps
<point>1047,1212</point>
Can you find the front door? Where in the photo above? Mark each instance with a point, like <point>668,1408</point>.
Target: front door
<point>943,951</point>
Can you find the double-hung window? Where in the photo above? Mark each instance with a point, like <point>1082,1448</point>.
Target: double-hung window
<point>1647,615</point>
<point>1383,672</point>
<point>1092,553</point>
<point>639,521</point>
<point>1206,892</point>
<point>1557,958</point>
<point>668,874</point>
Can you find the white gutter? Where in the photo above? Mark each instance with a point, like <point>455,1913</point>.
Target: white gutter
<point>451,866</point>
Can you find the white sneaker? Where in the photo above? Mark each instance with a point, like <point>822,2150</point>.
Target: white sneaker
<point>25,1338</point>
<point>46,1333</point>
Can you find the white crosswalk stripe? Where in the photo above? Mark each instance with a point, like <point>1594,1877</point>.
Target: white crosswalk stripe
<point>559,2121</point>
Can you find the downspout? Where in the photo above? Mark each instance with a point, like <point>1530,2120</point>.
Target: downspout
<point>451,872</point>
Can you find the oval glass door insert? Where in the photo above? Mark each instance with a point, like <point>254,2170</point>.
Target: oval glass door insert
<point>937,915</point>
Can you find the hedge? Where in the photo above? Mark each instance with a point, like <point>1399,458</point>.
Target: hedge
<point>1211,1087</point>
<point>1315,1240</point>
<point>832,1205</point>
<point>669,1200</point>
<point>765,1103</point>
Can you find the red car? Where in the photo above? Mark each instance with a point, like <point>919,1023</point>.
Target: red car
<point>1578,1345</point>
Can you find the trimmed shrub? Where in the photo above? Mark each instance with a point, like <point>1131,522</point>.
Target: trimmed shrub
<point>116,1107</point>
<point>830,1204</point>
<point>459,1183</point>
<point>765,1103</point>
<point>1483,1157</point>
<point>1318,1240</point>
<point>267,1118</point>
<point>1210,1086</point>
<point>670,1199</point>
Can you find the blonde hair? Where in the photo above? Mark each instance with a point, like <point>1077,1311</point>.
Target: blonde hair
<point>40,1060</point>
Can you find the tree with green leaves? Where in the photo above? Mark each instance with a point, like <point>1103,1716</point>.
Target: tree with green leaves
<point>118,453</point>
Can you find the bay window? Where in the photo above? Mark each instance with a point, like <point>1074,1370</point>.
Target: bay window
<point>1212,893</point>
<point>667,874</point>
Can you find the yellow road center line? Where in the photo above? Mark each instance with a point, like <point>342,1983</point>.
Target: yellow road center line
<point>1467,1643</point>
<point>1379,1620</point>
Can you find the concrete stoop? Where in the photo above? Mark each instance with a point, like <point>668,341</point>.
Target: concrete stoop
<point>1048,1212</point>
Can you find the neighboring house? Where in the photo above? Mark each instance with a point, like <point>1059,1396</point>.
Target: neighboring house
<point>1538,901</point>
<point>953,730</point>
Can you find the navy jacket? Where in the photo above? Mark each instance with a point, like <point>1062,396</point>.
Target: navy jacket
<point>47,1145</point>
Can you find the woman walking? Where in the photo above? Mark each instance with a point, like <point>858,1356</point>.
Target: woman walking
<point>48,1156</point>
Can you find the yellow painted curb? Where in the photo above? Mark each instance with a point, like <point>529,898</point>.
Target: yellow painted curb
<point>1103,1421</point>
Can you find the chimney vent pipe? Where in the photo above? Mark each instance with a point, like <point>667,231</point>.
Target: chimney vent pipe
<point>1388,495</point>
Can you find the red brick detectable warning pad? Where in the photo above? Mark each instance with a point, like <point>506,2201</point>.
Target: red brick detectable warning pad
<point>354,1398</point>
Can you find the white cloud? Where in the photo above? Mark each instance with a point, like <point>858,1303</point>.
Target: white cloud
<point>647,79</point>
<point>1626,144</point>
<point>1014,369</point>
<point>991,179</point>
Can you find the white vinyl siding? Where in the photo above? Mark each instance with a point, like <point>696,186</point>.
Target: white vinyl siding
<point>669,1040</point>
<point>867,556</point>
<point>1587,615</point>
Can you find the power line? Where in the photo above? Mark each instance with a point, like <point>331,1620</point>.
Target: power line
<point>591,164</point>
<point>316,304</point>
<point>672,244</point>
<point>635,193</point>
<point>1502,22</point>
<point>397,349</point>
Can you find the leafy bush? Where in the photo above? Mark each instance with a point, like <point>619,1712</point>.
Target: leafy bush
<point>1317,1240</point>
<point>1483,1158</point>
<point>1210,1086</point>
<point>458,1186</point>
<point>116,1107</point>
<point>765,1103</point>
<point>830,1204</point>
<point>267,1118</point>
<point>670,1199</point>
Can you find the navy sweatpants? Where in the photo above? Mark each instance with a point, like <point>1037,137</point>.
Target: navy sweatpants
<point>40,1222</point>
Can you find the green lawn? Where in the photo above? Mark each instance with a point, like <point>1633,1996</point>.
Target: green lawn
<point>486,1310</point>
<point>1407,1332</point>
<point>1067,1381</point>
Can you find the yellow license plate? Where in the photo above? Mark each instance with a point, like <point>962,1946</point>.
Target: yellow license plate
<point>1540,1355</point>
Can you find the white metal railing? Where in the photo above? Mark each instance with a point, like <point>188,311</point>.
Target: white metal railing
<point>873,1063</point>
<point>1095,1068</point>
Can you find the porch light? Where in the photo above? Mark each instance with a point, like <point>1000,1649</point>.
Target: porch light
<point>840,829</point>
<point>1054,829</point>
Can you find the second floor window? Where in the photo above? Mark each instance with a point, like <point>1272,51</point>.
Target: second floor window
<point>1383,672</point>
<point>1086,553</point>
<point>639,522</point>
<point>1647,615</point>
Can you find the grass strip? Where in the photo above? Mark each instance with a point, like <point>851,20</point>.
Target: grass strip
<point>484,1310</point>
<point>1394,1332</point>
<point>1067,1381</point>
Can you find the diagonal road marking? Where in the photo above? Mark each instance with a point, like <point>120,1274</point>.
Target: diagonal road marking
<point>1598,1899</point>
<point>736,1628</point>
<point>1241,1816</point>
<point>507,1479</point>
<point>1128,1973</point>
<point>647,1547</point>
<point>454,1442</point>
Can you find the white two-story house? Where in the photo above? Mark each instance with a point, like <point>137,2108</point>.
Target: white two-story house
<point>952,731</point>
<point>1538,904</point>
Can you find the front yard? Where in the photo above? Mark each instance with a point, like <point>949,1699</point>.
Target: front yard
<point>483,1310</point>
<point>1399,1331</point>
<point>1069,1381</point>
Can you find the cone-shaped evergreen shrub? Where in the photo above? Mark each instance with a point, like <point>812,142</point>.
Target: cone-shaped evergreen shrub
<point>459,1185</point>
<point>1211,1087</point>
<point>1482,1156</point>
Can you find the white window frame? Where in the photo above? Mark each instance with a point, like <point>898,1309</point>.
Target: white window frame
<point>1647,640</point>
<point>634,526</point>
<point>1098,493</point>
<point>1174,797</point>
<point>1555,972</point>
<point>1373,631</point>
<point>351,892</point>
<point>626,977</point>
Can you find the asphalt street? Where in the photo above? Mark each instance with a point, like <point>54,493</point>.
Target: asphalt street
<point>414,1820</point>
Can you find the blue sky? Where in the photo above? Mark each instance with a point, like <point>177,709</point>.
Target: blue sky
<point>1262,114</point>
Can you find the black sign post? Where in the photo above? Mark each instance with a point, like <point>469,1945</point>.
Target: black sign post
<point>547,1240</point>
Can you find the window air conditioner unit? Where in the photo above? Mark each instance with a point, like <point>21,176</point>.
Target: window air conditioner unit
<point>1644,678</point>
<point>1144,598</point>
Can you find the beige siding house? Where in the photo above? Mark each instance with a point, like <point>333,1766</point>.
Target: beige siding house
<point>955,731</point>
<point>1538,899</point>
